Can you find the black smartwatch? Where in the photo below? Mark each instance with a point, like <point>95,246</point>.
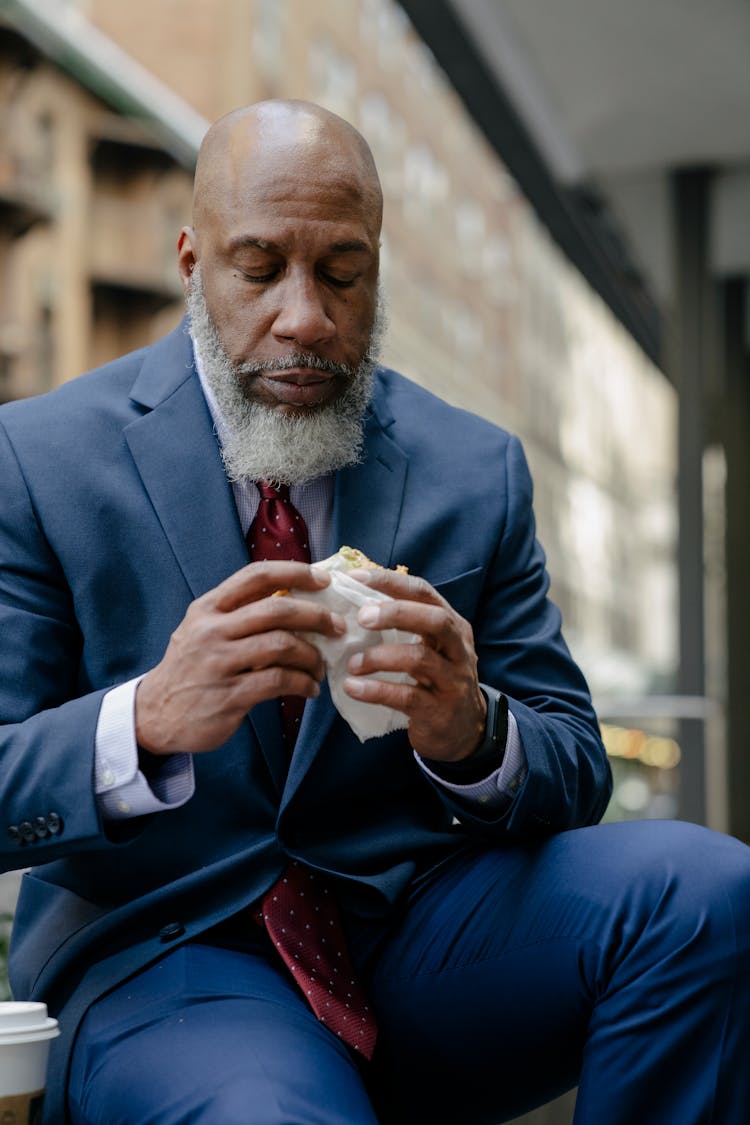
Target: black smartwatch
<point>488,756</point>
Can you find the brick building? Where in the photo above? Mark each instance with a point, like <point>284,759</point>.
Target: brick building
<point>90,200</point>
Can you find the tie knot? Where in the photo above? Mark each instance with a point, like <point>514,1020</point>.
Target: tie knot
<point>270,492</point>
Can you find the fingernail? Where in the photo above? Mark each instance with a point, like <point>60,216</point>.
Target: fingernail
<point>354,687</point>
<point>321,576</point>
<point>338,622</point>
<point>362,574</point>
<point>368,615</point>
<point>356,662</point>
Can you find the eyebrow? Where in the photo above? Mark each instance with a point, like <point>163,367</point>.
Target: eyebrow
<point>251,242</point>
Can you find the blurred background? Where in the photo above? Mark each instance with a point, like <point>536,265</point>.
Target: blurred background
<point>566,252</point>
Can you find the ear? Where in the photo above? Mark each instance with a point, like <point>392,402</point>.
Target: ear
<point>187,256</point>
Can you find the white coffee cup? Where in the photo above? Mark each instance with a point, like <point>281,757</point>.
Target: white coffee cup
<point>25,1034</point>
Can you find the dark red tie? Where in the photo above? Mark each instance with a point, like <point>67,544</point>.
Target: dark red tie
<point>300,912</point>
<point>303,921</point>
<point>279,532</point>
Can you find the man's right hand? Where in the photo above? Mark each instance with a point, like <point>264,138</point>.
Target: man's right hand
<point>236,646</point>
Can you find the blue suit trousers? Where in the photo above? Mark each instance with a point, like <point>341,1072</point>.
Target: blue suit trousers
<point>616,958</point>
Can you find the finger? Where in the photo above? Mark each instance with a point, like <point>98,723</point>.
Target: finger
<point>219,657</point>
<point>438,625</point>
<point>277,649</point>
<point>257,686</point>
<point>220,641</point>
<point>407,587</point>
<point>259,579</point>
<point>293,614</point>
<point>254,685</point>
<point>419,661</point>
<point>410,699</point>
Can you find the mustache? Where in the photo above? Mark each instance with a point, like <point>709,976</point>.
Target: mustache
<point>296,359</point>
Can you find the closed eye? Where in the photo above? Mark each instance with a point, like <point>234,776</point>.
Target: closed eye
<point>339,282</point>
<point>260,278</point>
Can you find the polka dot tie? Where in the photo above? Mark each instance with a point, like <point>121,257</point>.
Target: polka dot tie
<point>300,912</point>
<point>279,532</point>
<point>302,919</point>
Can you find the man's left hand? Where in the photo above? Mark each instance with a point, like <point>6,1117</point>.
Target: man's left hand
<point>446,709</point>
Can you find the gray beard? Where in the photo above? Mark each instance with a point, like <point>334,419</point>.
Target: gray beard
<point>260,443</point>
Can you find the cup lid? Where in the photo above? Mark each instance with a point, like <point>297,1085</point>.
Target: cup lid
<point>19,1016</point>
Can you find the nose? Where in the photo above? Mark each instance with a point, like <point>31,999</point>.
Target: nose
<point>302,315</point>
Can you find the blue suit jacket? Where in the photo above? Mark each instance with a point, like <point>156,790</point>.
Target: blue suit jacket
<point>115,514</point>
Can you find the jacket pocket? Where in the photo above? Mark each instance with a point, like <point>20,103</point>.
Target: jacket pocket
<point>463,591</point>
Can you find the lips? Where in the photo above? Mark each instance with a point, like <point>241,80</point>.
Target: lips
<point>298,386</point>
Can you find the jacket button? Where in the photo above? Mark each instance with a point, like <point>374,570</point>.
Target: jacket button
<point>26,828</point>
<point>40,827</point>
<point>54,823</point>
<point>171,931</point>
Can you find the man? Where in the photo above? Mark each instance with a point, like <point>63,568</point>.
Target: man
<point>156,775</point>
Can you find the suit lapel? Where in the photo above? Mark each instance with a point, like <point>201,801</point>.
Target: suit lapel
<point>368,500</point>
<point>177,455</point>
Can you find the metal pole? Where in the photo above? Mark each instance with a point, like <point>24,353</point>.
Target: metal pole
<point>737,450</point>
<point>691,189</point>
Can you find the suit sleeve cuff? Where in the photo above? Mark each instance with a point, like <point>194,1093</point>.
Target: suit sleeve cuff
<point>498,788</point>
<point>121,788</point>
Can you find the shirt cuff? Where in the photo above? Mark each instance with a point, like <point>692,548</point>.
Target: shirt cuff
<point>493,792</point>
<point>121,789</point>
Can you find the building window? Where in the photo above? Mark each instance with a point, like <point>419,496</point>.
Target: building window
<point>426,183</point>
<point>333,77</point>
<point>471,236</point>
<point>268,39</point>
<point>464,329</point>
<point>498,270</point>
<point>385,132</point>
<point>383,27</point>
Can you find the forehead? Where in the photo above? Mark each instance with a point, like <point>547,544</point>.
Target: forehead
<point>314,192</point>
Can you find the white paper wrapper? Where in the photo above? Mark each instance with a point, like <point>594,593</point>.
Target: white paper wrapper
<point>346,596</point>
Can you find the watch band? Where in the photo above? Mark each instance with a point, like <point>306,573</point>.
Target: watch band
<point>496,727</point>
<point>488,756</point>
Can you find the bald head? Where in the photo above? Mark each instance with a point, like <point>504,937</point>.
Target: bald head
<point>282,141</point>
